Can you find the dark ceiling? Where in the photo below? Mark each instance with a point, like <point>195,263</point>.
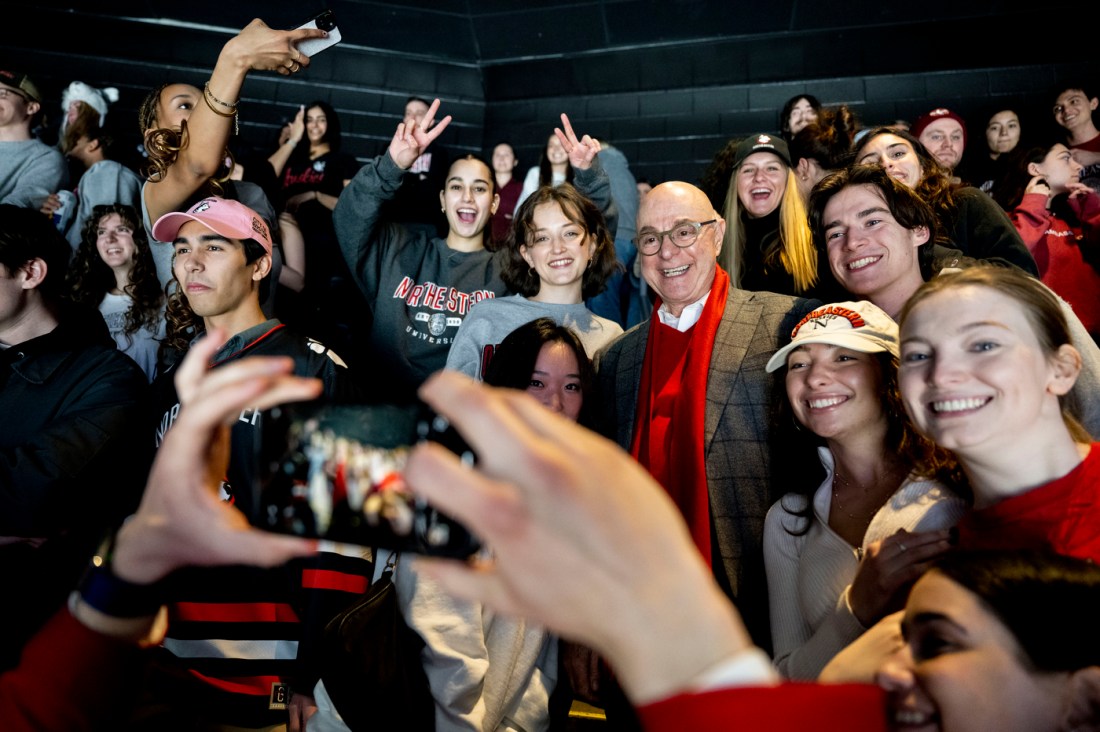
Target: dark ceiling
<point>670,81</point>
<point>491,32</point>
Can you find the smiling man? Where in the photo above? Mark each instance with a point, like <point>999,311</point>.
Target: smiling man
<point>687,394</point>
<point>30,170</point>
<point>943,132</point>
<point>1074,107</point>
<point>881,241</point>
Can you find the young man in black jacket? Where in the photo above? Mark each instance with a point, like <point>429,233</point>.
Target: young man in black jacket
<point>71,463</point>
<point>240,639</point>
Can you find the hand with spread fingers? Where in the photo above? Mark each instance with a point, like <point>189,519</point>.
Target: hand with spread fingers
<point>889,568</point>
<point>181,520</point>
<point>576,527</point>
<point>581,152</point>
<point>412,139</point>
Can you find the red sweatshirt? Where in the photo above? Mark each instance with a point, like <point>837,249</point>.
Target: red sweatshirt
<point>1063,251</point>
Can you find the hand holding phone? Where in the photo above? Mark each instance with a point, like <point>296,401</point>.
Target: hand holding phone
<point>326,21</point>
<point>335,472</point>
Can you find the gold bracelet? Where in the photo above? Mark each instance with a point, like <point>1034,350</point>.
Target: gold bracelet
<point>206,94</point>
<point>206,90</point>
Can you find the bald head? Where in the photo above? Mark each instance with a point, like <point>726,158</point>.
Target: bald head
<point>678,193</point>
<point>680,276</point>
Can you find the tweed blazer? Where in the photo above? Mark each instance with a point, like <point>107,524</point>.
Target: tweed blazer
<point>741,403</point>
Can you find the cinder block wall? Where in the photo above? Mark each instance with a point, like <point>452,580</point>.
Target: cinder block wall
<point>506,70</point>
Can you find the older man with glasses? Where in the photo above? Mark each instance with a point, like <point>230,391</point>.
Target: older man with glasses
<point>30,170</point>
<point>687,394</point>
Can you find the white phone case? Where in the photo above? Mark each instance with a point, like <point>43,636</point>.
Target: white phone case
<point>313,46</point>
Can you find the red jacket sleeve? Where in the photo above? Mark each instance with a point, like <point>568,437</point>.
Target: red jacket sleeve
<point>1087,208</point>
<point>69,678</point>
<point>784,708</point>
<point>1031,218</point>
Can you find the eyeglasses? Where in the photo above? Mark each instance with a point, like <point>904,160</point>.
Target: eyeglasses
<point>683,235</point>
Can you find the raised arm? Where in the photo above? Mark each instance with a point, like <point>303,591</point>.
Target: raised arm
<point>589,175</point>
<point>359,206</point>
<point>288,140</point>
<point>256,47</point>
<point>1032,217</point>
<point>411,140</point>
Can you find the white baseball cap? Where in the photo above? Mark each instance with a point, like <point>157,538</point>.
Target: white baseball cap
<point>859,326</point>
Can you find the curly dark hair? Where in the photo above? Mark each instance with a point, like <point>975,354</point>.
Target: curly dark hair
<point>579,209</point>
<point>183,324</point>
<point>163,144</point>
<point>90,279</point>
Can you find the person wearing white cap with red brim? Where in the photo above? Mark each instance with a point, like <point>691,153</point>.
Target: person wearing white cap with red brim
<point>843,553</point>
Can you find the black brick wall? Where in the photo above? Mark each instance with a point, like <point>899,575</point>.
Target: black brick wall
<point>624,70</point>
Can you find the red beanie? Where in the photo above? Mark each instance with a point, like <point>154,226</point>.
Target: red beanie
<point>940,113</point>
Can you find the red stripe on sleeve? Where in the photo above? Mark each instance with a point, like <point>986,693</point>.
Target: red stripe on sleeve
<point>328,579</point>
<point>233,612</point>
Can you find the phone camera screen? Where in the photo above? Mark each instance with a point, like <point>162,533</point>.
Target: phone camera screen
<point>336,472</point>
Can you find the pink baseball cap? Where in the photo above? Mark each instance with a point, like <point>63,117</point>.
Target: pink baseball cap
<point>231,219</point>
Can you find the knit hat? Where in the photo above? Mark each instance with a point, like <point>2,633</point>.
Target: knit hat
<point>939,113</point>
<point>858,326</point>
<point>22,82</point>
<point>231,219</point>
<point>762,143</point>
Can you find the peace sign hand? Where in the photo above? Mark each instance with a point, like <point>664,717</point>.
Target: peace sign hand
<point>581,152</point>
<point>411,139</point>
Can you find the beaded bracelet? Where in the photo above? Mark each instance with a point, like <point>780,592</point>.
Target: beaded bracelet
<point>207,95</point>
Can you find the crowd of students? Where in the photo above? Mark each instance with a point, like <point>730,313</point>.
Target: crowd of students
<point>853,433</point>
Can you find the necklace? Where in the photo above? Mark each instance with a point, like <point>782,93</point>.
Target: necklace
<point>889,479</point>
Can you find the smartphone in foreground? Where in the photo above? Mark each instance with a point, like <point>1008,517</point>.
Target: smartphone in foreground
<point>326,21</point>
<point>335,472</point>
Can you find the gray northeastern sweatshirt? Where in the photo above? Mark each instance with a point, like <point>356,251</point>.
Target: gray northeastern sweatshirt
<point>419,290</point>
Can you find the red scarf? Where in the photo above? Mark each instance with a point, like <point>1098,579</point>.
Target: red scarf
<point>668,431</point>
